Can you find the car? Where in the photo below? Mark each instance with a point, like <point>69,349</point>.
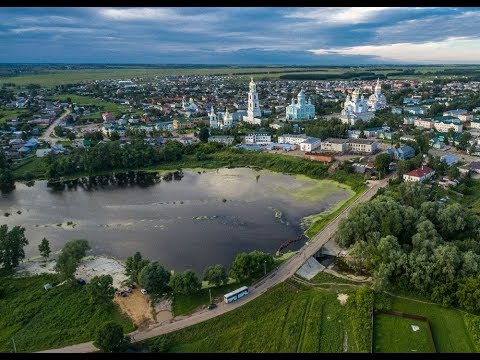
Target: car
<point>144,291</point>
<point>212,306</point>
<point>123,293</point>
<point>133,286</point>
<point>81,282</point>
<point>128,290</point>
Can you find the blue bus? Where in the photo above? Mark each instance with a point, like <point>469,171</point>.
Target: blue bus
<point>236,294</point>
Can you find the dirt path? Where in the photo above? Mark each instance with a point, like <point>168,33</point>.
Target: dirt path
<point>46,135</point>
<point>282,273</point>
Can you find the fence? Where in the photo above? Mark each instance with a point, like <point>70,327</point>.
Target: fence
<point>407,316</point>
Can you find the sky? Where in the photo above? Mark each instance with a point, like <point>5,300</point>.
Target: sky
<point>249,35</point>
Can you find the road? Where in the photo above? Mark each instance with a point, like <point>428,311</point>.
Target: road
<point>46,135</point>
<point>284,271</point>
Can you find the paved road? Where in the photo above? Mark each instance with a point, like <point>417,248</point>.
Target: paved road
<point>286,270</point>
<point>46,135</point>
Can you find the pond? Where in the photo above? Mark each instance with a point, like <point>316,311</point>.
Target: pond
<point>198,218</point>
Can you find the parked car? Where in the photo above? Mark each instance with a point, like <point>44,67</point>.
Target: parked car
<point>212,306</point>
<point>133,286</point>
<point>144,291</point>
<point>81,282</point>
<point>128,289</point>
<point>123,293</point>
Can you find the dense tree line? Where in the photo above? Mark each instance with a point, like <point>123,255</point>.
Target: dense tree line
<point>406,239</point>
<point>7,181</point>
<point>324,129</point>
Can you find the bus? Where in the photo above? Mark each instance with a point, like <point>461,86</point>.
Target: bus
<point>236,294</point>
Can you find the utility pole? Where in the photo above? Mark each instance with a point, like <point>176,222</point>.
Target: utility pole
<point>265,266</point>
<point>210,293</point>
<point>14,346</point>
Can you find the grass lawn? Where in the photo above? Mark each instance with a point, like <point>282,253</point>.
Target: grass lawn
<point>393,334</point>
<point>40,319</point>
<point>6,114</point>
<point>287,318</point>
<point>34,167</point>
<point>117,109</point>
<point>448,326</point>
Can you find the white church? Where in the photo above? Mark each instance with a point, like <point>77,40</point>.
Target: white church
<point>302,110</point>
<point>217,123</point>
<point>253,110</point>
<point>358,108</point>
<point>192,107</point>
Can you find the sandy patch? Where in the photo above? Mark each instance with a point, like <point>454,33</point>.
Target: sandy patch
<point>137,307</point>
<point>342,298</point>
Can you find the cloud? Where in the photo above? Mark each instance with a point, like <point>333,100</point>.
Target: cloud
<point>149,14</point>
<point>339,16</point>
<point>55,29</point>
<point>451,50</point>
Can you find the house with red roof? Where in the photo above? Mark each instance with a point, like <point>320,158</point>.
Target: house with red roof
<point>420,174</point>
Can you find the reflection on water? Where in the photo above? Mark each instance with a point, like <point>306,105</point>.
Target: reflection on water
<point>184,220</point>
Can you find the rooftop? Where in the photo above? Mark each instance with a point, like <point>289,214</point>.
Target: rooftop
<point>420,172</point>
<point>361,141</point>
<point>336,141</point>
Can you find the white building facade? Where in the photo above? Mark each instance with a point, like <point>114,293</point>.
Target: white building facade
<point>258,138</point>
<point>302,110</point>
<point>355,108</point>
<point>377,100</point>
<point>295,139</point>
<point>310,144</point>
<point>253,108</point>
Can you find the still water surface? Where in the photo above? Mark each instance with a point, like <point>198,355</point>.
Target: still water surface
<point>184,224</point>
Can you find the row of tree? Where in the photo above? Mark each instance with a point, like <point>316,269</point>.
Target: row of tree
<point>157,280</point>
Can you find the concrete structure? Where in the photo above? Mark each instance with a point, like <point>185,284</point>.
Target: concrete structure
<point>362,146</point>
<point>253,109</point>
<point>302,110</point>
<point>258,138</point>
<point>425,123</point>
<point>444,123</point>
<point>355,109</point>
<point>475,124</point>
<point>420,174</point>
<point>292,138</point>
<point>377,100</point>
<point>462,114</point>
<point>310,144</point>
<point>335,145</point>
<point>222,139</point>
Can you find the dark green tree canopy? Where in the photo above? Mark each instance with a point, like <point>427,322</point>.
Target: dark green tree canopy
<point>11,246</point>
<point>154,278</point>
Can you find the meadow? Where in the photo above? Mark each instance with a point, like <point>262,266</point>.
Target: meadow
<point>39,319</point>
<point>54,77</point>
<point>394,334</point>
<point>288,318</point>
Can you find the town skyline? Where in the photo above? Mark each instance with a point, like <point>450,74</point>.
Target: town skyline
<point>241,36</point>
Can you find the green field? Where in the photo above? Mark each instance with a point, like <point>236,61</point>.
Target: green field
<point>116,109</point>
<point>40,319</point>
<point>393,334</point>
<point>50,78</point>
<point>448,325</point>
<point>7,114</point>
<point>288,318</point>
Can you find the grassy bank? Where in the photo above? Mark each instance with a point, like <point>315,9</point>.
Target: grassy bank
<point>319,221</point>
<point>40,319</point>
<point>288,318</point>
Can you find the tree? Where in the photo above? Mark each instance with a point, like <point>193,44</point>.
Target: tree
<point>453,172</point>
<point>468,294</point>
<point>154,278</point>
<point>203,134</point>
<point>11,246</point>
<point>44,248</point>
<point>463,142</point>
<point>250,266</point>
<point>185,283</point>
<point>7,181</point>
<point>134,265</point>
<point>382,161</point>
<point>72,253</point>
<point>114,135</point>
<point>100,290</point>
<point>110,338</point>
<point>215,275</point>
